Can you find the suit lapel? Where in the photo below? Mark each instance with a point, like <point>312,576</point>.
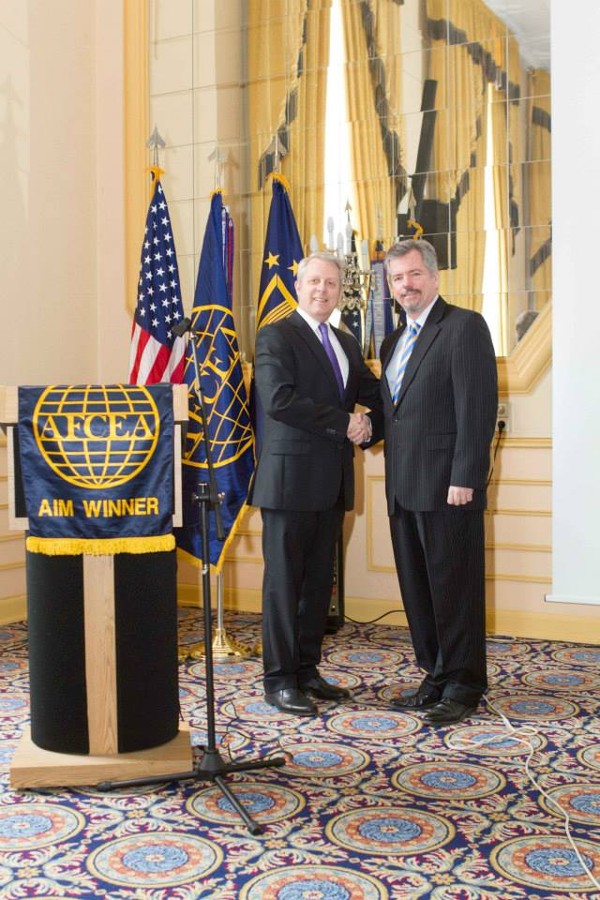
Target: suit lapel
<point>429,333</point>
<point>315,346</point>
<point>426,338</point>
<point>349,346</point>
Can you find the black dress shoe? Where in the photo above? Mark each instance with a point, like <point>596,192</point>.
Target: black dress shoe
<point>325,690</point>
<point>448,712</point>
<point>417,700</point>
<point>291,700</point>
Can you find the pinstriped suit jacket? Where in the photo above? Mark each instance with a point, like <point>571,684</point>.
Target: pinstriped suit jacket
<point>306,457</point>
<point>439,432</point>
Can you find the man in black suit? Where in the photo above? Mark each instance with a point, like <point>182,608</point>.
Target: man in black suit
<point>304,478</point>
<point>439,387</point>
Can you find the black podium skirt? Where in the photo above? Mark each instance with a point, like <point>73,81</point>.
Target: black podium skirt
<point>146,661</point>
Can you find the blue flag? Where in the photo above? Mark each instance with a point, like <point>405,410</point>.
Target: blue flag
<point>353,321</point>
<point>225,401</point>
<point>283,252</point>
<point>277,295</point>
<point>379,319</point>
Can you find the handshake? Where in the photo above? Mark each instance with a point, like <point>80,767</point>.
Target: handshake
<point>360,429</point>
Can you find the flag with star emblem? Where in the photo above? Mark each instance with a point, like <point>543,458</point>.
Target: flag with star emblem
<point>283,252</point>
<point>277,293</point>
<point>155,353</point>
<point>223,394</point>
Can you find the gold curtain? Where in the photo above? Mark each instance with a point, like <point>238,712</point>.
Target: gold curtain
<point>465,282</point>
<point>467,50</point>
<point>508,154</point>
<point>304,167</point>
<point>288,48</point>
<point>500,181</point>
<point>539,193</point>
<point>372,41</point>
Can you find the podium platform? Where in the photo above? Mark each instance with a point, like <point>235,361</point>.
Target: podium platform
<point>32,767</point>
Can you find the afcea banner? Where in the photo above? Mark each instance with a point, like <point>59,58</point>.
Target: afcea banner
<point>97,468</point>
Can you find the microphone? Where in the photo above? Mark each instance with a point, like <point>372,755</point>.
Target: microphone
<point>180,329</point>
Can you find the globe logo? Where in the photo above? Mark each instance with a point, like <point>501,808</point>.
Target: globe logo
<point>96,436</point>
<point>224,398</point>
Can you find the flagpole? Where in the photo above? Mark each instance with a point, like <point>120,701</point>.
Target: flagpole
<point>224,647</point>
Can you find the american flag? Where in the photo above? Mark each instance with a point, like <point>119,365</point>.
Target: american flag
<point>156,354</point>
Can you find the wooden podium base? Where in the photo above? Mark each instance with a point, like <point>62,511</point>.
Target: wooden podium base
<point>33,767</point>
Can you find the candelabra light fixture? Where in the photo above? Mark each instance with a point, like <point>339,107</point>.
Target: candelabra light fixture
<point>365,308</point>
<point>356,283</point>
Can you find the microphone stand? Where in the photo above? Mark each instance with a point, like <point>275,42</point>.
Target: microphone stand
<point>210,766</point>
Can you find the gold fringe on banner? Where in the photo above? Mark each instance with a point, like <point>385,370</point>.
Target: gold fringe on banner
<point>100,547</point>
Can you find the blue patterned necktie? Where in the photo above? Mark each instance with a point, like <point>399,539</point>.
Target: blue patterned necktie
<point>413,333</point>
<point>332,357</point>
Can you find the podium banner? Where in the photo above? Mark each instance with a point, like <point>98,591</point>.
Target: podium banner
<point>97,468</point>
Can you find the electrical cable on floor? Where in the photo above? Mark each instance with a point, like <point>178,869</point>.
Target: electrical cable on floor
<point>390,612</point>
<point>523,734</point>
<point>501,426</point>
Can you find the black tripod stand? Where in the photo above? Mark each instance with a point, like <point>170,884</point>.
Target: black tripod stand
<point>210,766</point>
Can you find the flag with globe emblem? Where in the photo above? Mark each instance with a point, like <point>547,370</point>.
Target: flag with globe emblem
<point>155,353</point>
<point>223,392</point>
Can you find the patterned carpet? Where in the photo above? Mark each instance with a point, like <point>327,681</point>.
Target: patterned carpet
<point>369,805</point>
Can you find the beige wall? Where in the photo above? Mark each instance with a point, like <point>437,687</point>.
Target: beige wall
<point>62,290</point>
<point>74,242</point>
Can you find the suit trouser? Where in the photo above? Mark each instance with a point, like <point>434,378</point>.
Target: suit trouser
<point>299,552</point>
<point>441,569</point>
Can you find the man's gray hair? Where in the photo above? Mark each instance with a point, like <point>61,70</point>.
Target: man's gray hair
<point>424,248</point>
<point>325,256</point>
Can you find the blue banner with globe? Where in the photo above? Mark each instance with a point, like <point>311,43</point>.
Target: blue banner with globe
<point>97,468</point>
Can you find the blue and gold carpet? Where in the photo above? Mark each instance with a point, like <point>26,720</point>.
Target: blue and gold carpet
<point>370,804</point>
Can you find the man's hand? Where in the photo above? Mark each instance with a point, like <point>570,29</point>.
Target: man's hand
<point>359,428</point>
<point>458,496</point>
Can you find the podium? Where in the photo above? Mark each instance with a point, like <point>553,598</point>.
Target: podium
<point>102,626</point>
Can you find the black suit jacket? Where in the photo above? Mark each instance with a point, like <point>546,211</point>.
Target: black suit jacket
<point>439,432</point>
<point>306,459</point>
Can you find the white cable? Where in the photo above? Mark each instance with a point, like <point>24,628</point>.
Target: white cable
<point>523,734</point>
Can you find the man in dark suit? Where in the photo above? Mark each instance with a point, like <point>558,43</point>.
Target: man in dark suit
<point>439,387</point>
<point>304,478</point>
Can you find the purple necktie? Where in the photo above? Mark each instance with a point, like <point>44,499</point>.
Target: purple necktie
<point>332,357</point>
